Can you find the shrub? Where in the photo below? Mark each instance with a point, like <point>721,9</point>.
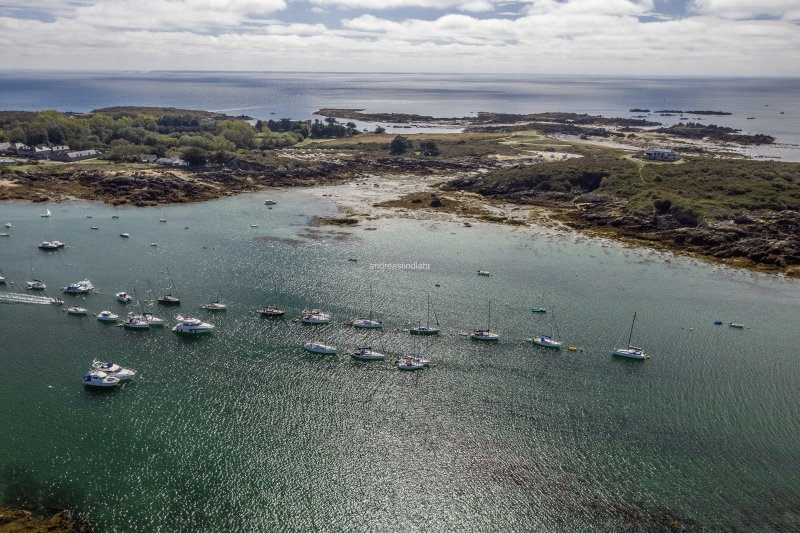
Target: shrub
<point>400,145</point>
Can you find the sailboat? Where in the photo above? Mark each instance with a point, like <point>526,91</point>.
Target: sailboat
<point>2,277</point>
<point>486,334</point>
<point>368,322</point>
<point>116,213</point>
<point>163,219</point>
<point>318,347</point>
<point>427,329</point>
<point>541,308</point>
<point>214,305</point>
<point>269,310</point>
<point>36,284</point>
<point>137,321</point>
<point>149,317</point>
<point>169,299</point>
<point>631,352</point>
<point>46,215</point>
<point>547,340</point>
<point>413,362</point>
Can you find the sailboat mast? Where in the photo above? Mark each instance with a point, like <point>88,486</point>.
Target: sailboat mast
<point>428,323</point>
<point>630,337</point>
<point>489,326</point>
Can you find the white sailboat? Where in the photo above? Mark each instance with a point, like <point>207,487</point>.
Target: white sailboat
<point>362,322</point>
<point>547,340</point>
<point>214,305</point>
<point>35,284</point>
<point>631,352</point>
<point>318,347</point>
<point>46,215</point>
<point>486,334</point>
<point>149,317</point>
<point>116,213</point>
<point>427,329</point>
<point>169,299</point>
<point>2,277</point>
<point>315,316</point>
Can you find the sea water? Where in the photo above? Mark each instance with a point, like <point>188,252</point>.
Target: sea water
<point>242,430</point>
<point>757,105</point>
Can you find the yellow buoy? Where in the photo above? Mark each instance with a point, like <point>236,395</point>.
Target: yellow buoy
<point>522,342</point>
<point>63,310</point>
<point>647,356</point>
<point>251,312</point>
<point>12,282</point>
<point>145,301</point>
<point>434,365</point>
<point>94,314</point>
<point>571,348</point>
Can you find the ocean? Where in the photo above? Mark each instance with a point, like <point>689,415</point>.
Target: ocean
<point>244,431</point>
<point>757,105</point>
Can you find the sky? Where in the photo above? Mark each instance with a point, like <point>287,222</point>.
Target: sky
<point>592,37</point>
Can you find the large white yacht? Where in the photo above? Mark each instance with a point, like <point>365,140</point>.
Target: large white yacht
<point>315,316</point>
<point>114,370</point>
<point>107,316</point>
<point>79,287</point>
<point>192,326</point>
<point>98,378</point>
<point>366,353</point>
<point>77,310</point>
<point>47,245</point>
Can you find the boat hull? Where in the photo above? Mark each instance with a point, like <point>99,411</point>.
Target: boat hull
<point>424,331</point>
<point>318,348</point>
<point>629,354</point>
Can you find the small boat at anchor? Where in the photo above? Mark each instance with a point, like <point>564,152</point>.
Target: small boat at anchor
<point>46,215</point>
<point>77,311</point>
<point>125,235</point>
<point>366,353</point>
<point>631,352</point>
<point>315,316</point>
<point>136,322</point>
<point>169,299</point>
<point>318,347</point>
<point>79,287</point>
<point>107,316</point>
<point>124,297</point>
<point>270,202</point>
<point>47,245</point>
<point>214,306</point>
<point>484,273</point>
<point>486,334</point>
<point>427,329</point>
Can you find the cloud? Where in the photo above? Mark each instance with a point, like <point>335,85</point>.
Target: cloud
<point>745,9</point>
<point>547,36</point>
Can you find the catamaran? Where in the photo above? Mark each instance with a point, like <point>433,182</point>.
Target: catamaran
<point>631,352</point>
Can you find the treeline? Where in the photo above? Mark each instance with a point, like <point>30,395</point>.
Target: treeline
<point>124,134</point>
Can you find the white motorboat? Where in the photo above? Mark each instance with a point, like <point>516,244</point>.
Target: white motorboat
<point>192,326</point>
<point>98,378</point>
<point>59,244</point>
<point>125,235</point>
<point>56,301</point>
<point>46,215</point>
<point>35,285</point>
<point>486,334</point>
<point>631,352</point>
<point>253,225</point>
<point>113,369</point>
<point>2,277</point>
<point>734,325</point>
<point>484,273</point>
<point>315,316</point>
<point>270,202</point>
<point>8,224</point>
<point>94,227</point>
<point>5,235</point>
<point>47,245</point>
<point>427,329</point>
<point>318,347</point>
<point>153,244</point>
<point>136,322</point>
<point>88,216</point>
<point>152,319</point>
<point>77,310</point>
<point>107,316</point>
<point>124,297</point>
<point>79,287</point>
<point>547,341</point>
<point>366,353</point>
<point>214,306</point>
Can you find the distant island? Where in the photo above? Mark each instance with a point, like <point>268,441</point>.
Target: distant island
<point>591,173</point>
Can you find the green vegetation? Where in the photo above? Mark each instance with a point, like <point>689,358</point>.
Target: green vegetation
<point>704,187</point>
<point>124,133</point>
<point>400,145</point>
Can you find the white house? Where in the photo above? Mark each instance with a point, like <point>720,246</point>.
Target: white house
<point>660,154</point>
<point>172,162</point>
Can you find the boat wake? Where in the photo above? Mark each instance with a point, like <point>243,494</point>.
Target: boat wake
<point>13,297</point>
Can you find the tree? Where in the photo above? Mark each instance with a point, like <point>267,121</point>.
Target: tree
<point>428,147</point>
<point>259,125</point>
<point>196,156</point>
<point>380,130</point>
<point>400,145</point>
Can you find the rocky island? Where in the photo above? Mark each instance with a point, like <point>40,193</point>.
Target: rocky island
<point>548,168</point>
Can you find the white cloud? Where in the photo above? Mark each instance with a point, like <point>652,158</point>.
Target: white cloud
<point>477,6</point>
<point>549,36</point>
<point>744,9</point>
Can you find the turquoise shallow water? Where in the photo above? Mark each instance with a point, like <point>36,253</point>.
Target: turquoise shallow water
<point>243,431</point>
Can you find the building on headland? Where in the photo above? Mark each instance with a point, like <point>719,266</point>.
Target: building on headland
<point>7,162</point>
<point>69,157</point>
<point>172,162</point>
<point>17,147</point>
<point>149,159</point>
<point>5,146</point>
<point>660,154</point>
<point>35,152</point>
